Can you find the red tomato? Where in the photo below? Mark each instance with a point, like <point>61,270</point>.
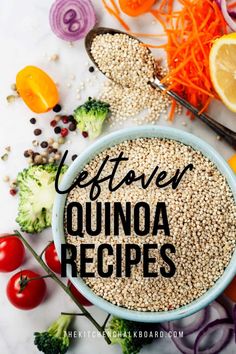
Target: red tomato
<point>80,298</point>
<point>31,295</point>
<point>230,291</point>
<point>52,259</point>
<point>12,253</point>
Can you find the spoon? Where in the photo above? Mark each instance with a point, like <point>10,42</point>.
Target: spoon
<point>227,134</point>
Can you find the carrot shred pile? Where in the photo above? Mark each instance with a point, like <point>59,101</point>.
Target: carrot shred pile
<point>190,33</point>
<point>190,39</point>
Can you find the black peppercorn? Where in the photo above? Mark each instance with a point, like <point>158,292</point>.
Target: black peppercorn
<point>71,118</point>
<point>27,153</point>
<point>72,127</point>
<point>91,69</point>
<point>57,108</point>
<point>44,144</point>
<point>32,120</point>
<point>37,132</point>
<point>57,130</point>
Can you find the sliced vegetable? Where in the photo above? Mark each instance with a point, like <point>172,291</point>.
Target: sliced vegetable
<point>26,289</point>
<point>36,197</point>
<point>71,20</point>
<point>223,68</point>
<point>135,7</point>
<point>37,89</point>
<point>193,327</point>
<point>234,319</point>
<point>227,15</point>
<point>200,325</point>
<point>224,325</point>
<point>190,37</point>
<point>12,253</point>
<point>230,291</point>
<point>232,162</point>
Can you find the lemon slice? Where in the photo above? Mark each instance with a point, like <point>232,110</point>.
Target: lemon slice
<point>223,69</point>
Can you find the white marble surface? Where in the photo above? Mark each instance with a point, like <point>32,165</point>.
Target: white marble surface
<point>26,38</point>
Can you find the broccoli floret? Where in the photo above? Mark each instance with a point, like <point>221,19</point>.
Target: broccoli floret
<point>90,117</point>
<point>131,336</point>
<point>36,197</point>
<point>55,340</point>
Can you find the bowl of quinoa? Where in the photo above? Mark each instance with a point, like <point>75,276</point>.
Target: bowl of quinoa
<point>202,222</point>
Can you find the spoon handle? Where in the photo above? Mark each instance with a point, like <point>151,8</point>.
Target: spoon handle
<point>221,130</point>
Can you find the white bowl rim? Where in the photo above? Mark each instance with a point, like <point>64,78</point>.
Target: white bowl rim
<point>112,139</point>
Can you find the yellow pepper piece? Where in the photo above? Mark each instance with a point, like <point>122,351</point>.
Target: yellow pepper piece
<point>232,162</point>
<point>37,89</point>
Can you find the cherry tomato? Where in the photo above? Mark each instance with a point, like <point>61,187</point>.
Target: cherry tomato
<point>52,259</point>
<point>80,298</point>
<point>37,89</point>
<point>230,291</point>
<point>12,253</point>
<point>25,294</point>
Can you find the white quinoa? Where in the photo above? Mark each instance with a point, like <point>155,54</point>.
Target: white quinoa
<point>201,215</point>
<point>130,67</point>
<point>144,105</point>
<point>123,59</point>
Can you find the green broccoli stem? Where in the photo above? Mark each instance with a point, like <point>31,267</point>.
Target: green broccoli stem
<point>64,287</point>
<point>60,326</point>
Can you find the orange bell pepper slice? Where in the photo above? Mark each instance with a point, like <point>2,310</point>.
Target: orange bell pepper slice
<point>37,89</point>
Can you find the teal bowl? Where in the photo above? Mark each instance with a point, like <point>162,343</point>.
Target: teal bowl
<point>77,166</point>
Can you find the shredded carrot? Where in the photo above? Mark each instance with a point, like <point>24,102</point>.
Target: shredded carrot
<point>150,35</point>
<point>148,45</point>
<point>190,34</point>
<point>116,15</point>
<point>204,108</point>
<point>172,110</point>
<point>116,8</point>
<point>158,17</point>
<point>190,38</point>
<point>232,5</point>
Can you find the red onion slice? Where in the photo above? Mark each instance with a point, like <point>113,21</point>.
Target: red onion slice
<point>234,318</point>
<point>179,342</point>
<point>71,20</point>
<point>226,325</point>
<point>194,326</point>
<point>231,23</point>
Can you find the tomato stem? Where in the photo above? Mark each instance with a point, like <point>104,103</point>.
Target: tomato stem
<point>64,287</point>
<point>105,322</point>
<point>24,281</point>
<point>72,314</point>
<point>42,253</point>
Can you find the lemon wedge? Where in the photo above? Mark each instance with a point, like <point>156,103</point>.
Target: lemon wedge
<point>223,69</point>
